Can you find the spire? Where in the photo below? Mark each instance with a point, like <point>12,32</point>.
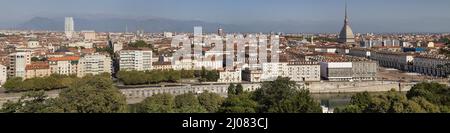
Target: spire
<point>346,15</point>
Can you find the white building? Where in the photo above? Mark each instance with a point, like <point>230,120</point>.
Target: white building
<point>117,46</point>
<point>18,62</point>
<point>360,52</point>
<point>69,27</point>
<point>168,34</point>
<point>271,71</point>
<point>89,35</point>
<point>392,60</point>
<point>186,64</point>
<point>81,44</point>
<point>252,75</point>
<point>140,60</point>
<point>431,66</point>
<point>3,74</point>
<point>336,71</point>
<point>301,71</point>
<point>33,43</point>
<point>94,64</point>
<point>66,65</point>
<point>230,76</point>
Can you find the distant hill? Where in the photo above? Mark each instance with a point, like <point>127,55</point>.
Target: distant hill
<point>118,25</point>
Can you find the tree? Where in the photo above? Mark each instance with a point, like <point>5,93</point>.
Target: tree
<point>231,89</point>
<point>301,102</point>
<point>31,102</point>
<point>239,89</point>
<point>141,44</point>
<point>92,94</point>
<point>391,102</point>
<point>242,103</point>
<point>158,103</point>
<point>210,101</point>
<point>13,84</point>
<point>284,96</point>
<point>434,92</point>
<point>188,103</point>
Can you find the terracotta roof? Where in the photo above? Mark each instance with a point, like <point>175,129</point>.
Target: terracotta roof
<point>65,58</point>
<point>37,65</point>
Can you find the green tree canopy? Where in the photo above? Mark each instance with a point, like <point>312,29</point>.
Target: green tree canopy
<point>242,103</point>
<point>92,94</point>
<point>188,103</point>
<point>284,96</point>
<point>210,101</point>
<point>158,103</point>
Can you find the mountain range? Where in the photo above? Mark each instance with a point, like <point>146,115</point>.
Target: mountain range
<point>172,25</point>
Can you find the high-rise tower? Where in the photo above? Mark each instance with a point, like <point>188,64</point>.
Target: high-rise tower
<point>346,36</point>
<point>69,27</point>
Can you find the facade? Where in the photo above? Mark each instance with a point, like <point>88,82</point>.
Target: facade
<point>271,71</point>
<point>3,74</point>
<point>431,66</point>
<point>162,66</point>
<point>336,71</point>
<point>139,60</point>
<point>252,75</point>
<point>94,65</point>
<point>117,46</point>
<point>81,44</point>
<point>89,35</point>
<point>393,60</point>
<point>360,52</point>
<point>69,27</point>
<point>230,76</point>
<point>168,34</point>
<point>18,62</point>
<point>33,43</point>
<point>66,65</point>
<point>364,70</point>
<point>37,69</point>
<point>302,71</point>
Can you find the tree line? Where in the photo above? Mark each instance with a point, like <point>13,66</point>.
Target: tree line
<point>90,94</point>
<point>169,76</point>
<point>422,98</point>
<point>54,81</point>
<point>96,94</point>
<point>279,96</point>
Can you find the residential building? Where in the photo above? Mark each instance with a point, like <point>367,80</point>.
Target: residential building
<point>230,76</point>
<point>37,69</point>
<point>94,64</point>
<point>140,60</point>
<point>336,71</point>
<point>302,71</point>
<point>18,62</point>
<point>66,65</point>
<point>3,74</point>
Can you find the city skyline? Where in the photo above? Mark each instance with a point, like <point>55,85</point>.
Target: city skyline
<point>301,16</point>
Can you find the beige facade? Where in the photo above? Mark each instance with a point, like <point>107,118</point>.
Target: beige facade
<point>94,65</point>
<point>37,69</point>
<point>67,65</point>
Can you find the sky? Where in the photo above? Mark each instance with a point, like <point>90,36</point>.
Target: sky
<point>365,15</point>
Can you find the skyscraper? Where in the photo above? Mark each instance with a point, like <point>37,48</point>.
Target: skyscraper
<point>69,27</point>
<point>346,36</point>
<point>220,31</point>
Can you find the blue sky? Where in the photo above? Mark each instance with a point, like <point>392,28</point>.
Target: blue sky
<point>384,14</point>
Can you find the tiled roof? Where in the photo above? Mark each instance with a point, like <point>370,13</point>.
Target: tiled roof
<point>37,65</point>
<point>65,58</point>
